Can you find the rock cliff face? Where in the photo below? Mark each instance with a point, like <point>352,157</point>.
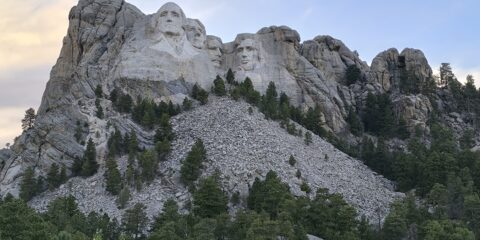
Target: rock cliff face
<point>112,44</point>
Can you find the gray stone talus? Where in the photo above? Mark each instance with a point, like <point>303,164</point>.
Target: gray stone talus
<point>112,44</point>
<point>242,147</point>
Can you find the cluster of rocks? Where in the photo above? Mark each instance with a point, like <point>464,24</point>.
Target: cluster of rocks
<point>241,146</point>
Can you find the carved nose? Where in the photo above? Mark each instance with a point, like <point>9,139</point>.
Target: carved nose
<point>169,20</point>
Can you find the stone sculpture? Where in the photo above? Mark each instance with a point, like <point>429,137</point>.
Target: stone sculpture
<point>196,33</point>
<point>215,49</point>
<point>248,54</point>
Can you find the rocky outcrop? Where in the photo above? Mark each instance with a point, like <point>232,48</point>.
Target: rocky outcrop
<point>241,146</point>
<point>389,67</point>
<point>384,69</point>
<point>414,109</point>
<point>96,30</point>
<point>332,57</point>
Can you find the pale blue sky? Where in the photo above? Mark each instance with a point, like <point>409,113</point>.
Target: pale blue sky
<point>445,30</point>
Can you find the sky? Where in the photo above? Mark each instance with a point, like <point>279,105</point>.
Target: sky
<point>31,33</point>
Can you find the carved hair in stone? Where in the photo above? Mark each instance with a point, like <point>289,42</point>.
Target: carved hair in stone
<point>248,54</point>
<point>168,20</point>
<point>195,33</point>
<point>215,49</point>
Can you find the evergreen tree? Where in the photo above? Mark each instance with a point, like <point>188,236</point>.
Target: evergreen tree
<point>467,140</point>
<point>356,126</point>
<point>28,186</point>
<point>18,221</point>
<point>124,103</point>
<point>112,177</point>
<point>203,97</point>
<point>135,220</point>
<point>402,130</point>
<point>99,91</point>
<point>148,163</point>
<point>114,96</point>
<point>270,102</point>
<point>352,74</point>
<point>187,104</point>
<point>230,77</point>
<point>78,132</point>
<point>123,197</point>
<point>53,177</point>
<point>209,200</point>
<point>29,119</point>
<point>292,161</point>
<point>169,214</point>
<point>219,86</point>
<point>90,165</point>
<point>262,228</point>
<point>114,144</point>
<point>62,178</point>
<point>132,145</point>
<point>193,163</point>
<point>313,121</point>
<point>77,166</point>
<point>199,94</point>
<point>165,131</point>
<point>308,138</point>
<point>268,195</point>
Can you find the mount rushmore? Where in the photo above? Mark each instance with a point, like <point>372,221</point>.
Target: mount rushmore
<point>112,44</point>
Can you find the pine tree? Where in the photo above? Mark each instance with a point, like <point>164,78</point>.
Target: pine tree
<point>62,178</point>
<point>352,74</point>
<point>99,91</point>
<point>77,166</point>
<point>99,112</point>
<point>219,86</point>
<point>29,119</point>
<point>148,163</point>
<point>187,104</point>
<point>169,214</point>
<point>230,77</point>
<point>292,161</point>
<point>132,145</point>
<point>78,132</point>
<point>203,97</point>
<point>308,138</point>
<point>112,177</point>
<point>193,163</point>
<point>53,177</point>
<point>209,200</point>
<point>354,122</point>
<point>114,143</point>
<point>123,197</point>
<point>90,165</point>
<point>28,186</point>
<point>270,102</point>
<point>135,220</point>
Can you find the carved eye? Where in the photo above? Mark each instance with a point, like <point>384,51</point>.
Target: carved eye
<point>163,14</point>
<point>240,49</point>
<point>175,14</point>
<point>249,48</point>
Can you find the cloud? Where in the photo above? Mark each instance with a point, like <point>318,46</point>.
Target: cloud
<point>461,74</point>
<point>10,123</point>
<point>32,32</point>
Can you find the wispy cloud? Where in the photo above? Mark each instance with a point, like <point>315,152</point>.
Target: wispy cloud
<point>10,124</point>
<point>32,32</point>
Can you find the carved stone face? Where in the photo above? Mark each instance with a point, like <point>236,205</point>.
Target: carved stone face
<point>248,54</point>
<point>171,19</point>
<point>215,50</point>
<point>195,33</point>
